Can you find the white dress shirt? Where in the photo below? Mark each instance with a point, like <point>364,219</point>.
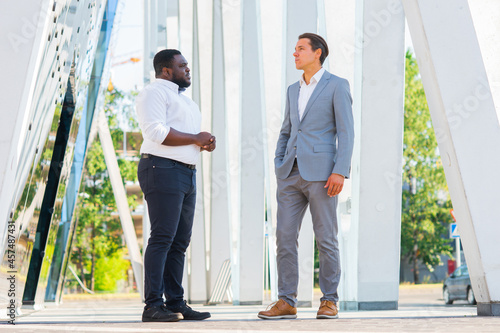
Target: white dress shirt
<point>306,90</point>
<point>161,106</point>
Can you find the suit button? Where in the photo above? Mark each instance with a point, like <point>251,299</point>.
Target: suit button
<point>300,131</point>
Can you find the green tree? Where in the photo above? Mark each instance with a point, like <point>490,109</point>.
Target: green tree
<point>98,246</point>
<point>426,204</point>
<point>109,270</point>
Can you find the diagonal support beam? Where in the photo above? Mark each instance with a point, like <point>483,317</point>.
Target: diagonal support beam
<point>467,130</point>
<point>121,201</point>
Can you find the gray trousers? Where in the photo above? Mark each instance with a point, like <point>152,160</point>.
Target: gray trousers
<point>294,194</point>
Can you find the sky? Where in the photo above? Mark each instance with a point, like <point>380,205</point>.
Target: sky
<point>129,75</point>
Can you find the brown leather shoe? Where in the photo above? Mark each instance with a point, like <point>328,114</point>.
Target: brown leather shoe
<point>279,310</point>
<point>327,310</point>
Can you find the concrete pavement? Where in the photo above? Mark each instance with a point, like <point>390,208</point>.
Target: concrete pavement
<point>421,309</point>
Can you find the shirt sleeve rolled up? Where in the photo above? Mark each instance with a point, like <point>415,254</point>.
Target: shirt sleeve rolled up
<point>151,112</point>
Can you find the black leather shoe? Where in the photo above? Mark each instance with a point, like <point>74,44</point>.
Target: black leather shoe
<point>188,313</point>
<point>160,313</point>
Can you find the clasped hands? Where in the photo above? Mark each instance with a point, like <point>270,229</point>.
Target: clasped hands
<point>206,141</point>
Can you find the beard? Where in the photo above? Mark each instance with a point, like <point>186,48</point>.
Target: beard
<point>181,81</point>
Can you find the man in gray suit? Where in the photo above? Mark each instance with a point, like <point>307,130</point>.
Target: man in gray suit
<point>313,157</point>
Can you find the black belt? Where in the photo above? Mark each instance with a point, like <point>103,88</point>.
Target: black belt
<point>189,166</point>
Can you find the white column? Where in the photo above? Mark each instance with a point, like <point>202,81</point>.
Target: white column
<point>161,23</point>
<point>340,28</point>
<point>377,159</point>
<point>121,201</point>
<point>272,17</point>
<point>220,197</point>
<point>148,58</point>
<point>306,13</point>
<point>172,24</point>
<point>467,130</point>
<point>167,36</point>
<point>203,58</point>
<point>152,26</point>
<point>198,293</point>
<point>252,165</point>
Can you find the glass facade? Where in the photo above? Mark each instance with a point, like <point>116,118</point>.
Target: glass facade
<point>66,93</point>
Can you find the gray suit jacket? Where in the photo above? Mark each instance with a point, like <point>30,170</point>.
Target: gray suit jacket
<point>327,119</point>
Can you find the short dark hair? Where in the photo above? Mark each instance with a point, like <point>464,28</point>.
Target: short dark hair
<point>164,58</point>
<point>317,42</point>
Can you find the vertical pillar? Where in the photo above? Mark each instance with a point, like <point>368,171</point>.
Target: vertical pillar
<point>197,277</point>
<point>151,39</point>
<point>152,26</point>
<point>220,197</point>
<point>203,58</point>
<point>467,130</point>
<point>272,16</point>
<point>252,175</point>
<point>271,13</point>
<point>161,22</point>
<point>148,41</point>
<point>197,273</point>
<point>172,24</point>
<point>340,28</point>
<point>377,160</point>
<point>306,13</point>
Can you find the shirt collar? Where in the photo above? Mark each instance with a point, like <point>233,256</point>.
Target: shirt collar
<point>316,77</point>
<point>171,85</point>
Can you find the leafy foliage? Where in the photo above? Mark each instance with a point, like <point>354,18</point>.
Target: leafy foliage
<point>426,204</point>
<point>98,247</point>
<point>109,270</point>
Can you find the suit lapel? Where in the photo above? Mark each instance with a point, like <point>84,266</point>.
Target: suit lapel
<point>317,91</point>
<point>294,102</point>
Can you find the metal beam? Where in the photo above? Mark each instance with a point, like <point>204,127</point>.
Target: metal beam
<point>121,200</point>
<point>467,130</point>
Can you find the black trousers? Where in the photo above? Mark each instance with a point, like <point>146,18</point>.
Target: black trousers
<point>170,192</point>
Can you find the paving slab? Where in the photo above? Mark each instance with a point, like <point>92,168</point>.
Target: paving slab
<point>420,310</point>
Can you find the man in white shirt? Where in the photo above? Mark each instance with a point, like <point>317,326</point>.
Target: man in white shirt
<point>313,156</point>
<point>170,124</point>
